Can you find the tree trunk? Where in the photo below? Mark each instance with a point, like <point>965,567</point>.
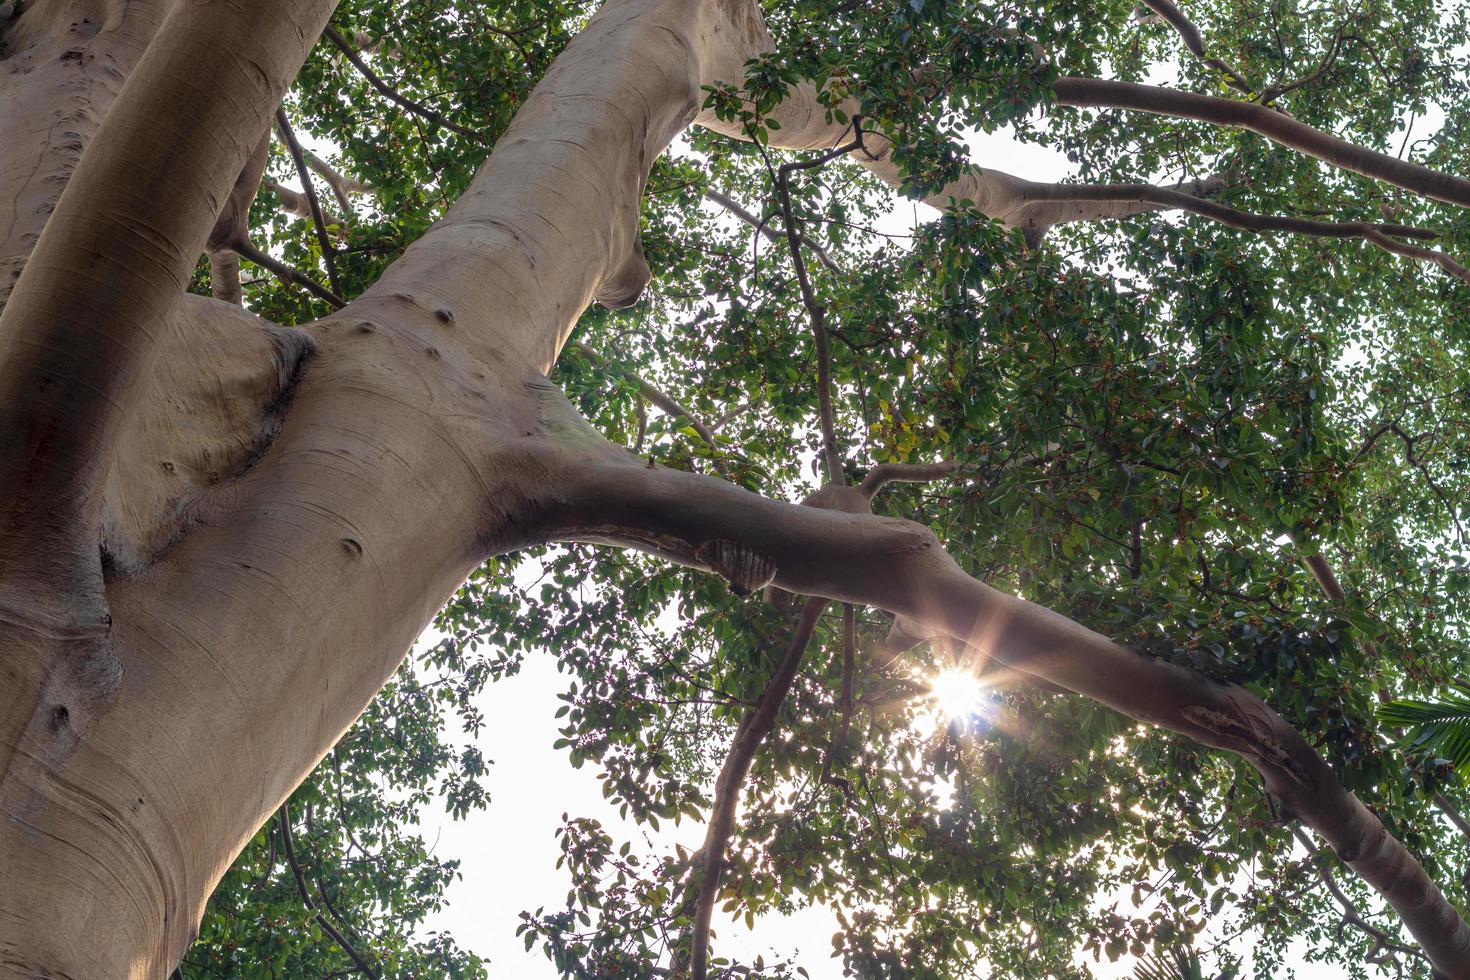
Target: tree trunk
<point>190,616</point>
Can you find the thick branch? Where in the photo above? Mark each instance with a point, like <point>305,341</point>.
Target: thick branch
<point>389,92</point>
<point>900,566</point>
<point>757,724</point>
<point>1101,94</point>
<point>111,266</point>
<point>885,473</point>
<point>294,202</point>
<point>224,276</point>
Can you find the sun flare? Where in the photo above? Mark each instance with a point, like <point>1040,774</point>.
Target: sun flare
<point>958,694</point>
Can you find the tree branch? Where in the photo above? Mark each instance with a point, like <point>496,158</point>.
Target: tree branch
<point>392,94</point>
<point>764,229</point>
<point>657,397</point>
<point>110,269</point>
<point>1169,199</point>
<point>294,202</point>
<point>754,727</point>
<point>342,187</point>
<point>1190,35</point>
<point>290,848</point>
<point>885,473</point>
<point>287,274</point>
<point>815,310</point>
<point>1350,914</point>
<point>899,566</point>
<point>224,276</point>
<point>1100,94</point>
<point>288,136</point>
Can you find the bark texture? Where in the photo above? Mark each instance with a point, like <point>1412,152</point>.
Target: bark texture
<point>184,602</point>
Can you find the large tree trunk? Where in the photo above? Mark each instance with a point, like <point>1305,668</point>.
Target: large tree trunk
<point>190,616</point>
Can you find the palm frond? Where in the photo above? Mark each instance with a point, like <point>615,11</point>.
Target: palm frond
<point>1177,964</point>
<point>1440,726</point>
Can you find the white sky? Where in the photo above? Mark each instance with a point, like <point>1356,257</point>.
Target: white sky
<point>509,851</point>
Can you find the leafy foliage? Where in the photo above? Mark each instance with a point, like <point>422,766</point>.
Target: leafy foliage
<point>1440,726</point>
<point>1155,419</point>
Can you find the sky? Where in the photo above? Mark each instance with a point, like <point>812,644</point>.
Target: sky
<point>509,851</point>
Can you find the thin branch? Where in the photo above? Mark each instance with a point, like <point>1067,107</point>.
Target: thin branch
<point>816,310</point>
<point>392,94</point>
<point>1192,39</point>
<point>288,136</point>
<point>1417,252</point>
<point>287,274</point>
<point>1102,94</point>
<point>1274,92</point>
<point>763,228</point>
<point>1416,461</point>
<point>657,397</point>
<point>754,727</point>
<point>290,848</point>
<point>1350,913</point>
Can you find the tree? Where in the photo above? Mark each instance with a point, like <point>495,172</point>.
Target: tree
<point>222,533</point>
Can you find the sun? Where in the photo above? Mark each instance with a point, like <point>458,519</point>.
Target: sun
<point>958,694</point>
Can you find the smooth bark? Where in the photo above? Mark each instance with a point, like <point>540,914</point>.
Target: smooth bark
<point>205,601</point>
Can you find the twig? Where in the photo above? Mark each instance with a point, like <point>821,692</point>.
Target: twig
<point>658,398</point>
<point>757,724</point>
<point>763,228</point>
<point>321,920</point>
<point>392,94</point>
<point>288,136</point>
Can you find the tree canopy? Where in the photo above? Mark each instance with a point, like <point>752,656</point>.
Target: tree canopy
<point>1234,437</point>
